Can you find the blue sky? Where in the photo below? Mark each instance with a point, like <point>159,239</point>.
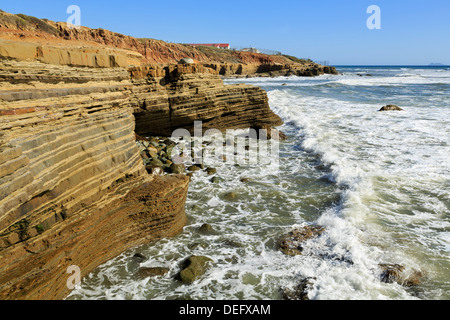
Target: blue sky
<point>413,32</point>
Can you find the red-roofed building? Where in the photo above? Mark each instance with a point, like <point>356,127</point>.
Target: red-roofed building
<point>217,45</point>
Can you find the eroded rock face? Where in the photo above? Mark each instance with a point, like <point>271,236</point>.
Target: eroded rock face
<point>73,186</point>
<point>177,96</point>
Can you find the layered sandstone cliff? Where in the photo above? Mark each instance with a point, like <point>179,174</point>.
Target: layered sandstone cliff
<point>44,35</point>
<point>73,187</point>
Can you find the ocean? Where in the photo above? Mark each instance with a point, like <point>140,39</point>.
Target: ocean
<point>378,182</point>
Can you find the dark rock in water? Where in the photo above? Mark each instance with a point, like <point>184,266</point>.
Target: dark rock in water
<point>139,257</point>
<point>391,107</point>
<point>206,228</point>
<point>391,272</point>
<point>232,243</point>
<point>291,243</point>
<point>197,245</point>
<point>230,195</point>
<point>299,292</point>
<point>156,163</point>
<point>177,168</point>
<point>193,268</point>
<point>395,273</point>
<point>215,180</point>
<point>210,171</point>
<point>194,168</point>
<point>245,180</point>
<point>143,273</point>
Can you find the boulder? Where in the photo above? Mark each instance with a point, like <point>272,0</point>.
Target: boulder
<point>206,228</point>
<point>177,168</point>
<point>291,243</point>
<point>395,273</point>
<point>210,171</point>
<point>391,107</point>
<point>194,168</point>
<point>186,61</point>
<point>193,268</point>
<point>154,170</point>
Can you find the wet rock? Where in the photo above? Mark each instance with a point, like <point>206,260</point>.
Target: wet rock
<point>177,168</point>
<point>210,171</point>
<point>230,195</point>
<point>197,245</point>
<point>391,272</point>
<point>232,243</point>
<point>194,168</point>
<point>395,273</point>
<point>143,273</point>
<point>215,180</point>
<point>139,257</point>
<point>291,243</point>
<point>245,180</point>
<point>156,163</point>
<point>193,268</point>
<point>300,291</point>
<point>391,107</point>
<point>206,228</point>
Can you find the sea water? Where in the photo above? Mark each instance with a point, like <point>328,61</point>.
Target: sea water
<point>378,182</point>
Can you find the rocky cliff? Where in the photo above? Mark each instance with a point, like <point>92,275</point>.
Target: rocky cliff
<point>73,186</point>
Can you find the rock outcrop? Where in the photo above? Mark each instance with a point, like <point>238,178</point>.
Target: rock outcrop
<point>292,243</point>
<point>174,97</point>
<point>73,187</point>
<point>391,107</point>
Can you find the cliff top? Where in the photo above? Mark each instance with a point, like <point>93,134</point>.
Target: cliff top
<point>42,31</point>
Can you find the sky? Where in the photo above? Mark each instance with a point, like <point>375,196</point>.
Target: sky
<point>412,32</point>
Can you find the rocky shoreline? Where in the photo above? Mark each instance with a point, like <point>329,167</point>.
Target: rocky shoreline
<point>76,188</point>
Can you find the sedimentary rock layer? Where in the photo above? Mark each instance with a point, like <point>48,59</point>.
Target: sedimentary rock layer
<point>73,187</point>
<point>176,96</point>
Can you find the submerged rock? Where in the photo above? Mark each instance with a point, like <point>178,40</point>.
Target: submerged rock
<point>395,273</point>
<point>391,107</point>
<point>206,228</point>
<point>300,291</point>
<point>291,243</point>
<point>193,268</point>
<point>143,273</point>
